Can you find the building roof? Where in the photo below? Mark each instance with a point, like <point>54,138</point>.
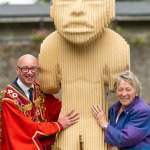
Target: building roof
<point>133,11</point>
<point>24,13</point>
<point>125,11</point>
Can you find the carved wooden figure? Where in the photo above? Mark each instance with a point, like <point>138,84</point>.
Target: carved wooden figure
<point>81,59</point>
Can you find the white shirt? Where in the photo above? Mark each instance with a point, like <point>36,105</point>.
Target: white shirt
<point>24,87</point>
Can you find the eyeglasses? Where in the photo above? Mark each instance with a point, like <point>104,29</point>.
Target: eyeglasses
<point>26,69</point>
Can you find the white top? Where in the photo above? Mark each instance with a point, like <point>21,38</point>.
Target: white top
<point>24,87</point>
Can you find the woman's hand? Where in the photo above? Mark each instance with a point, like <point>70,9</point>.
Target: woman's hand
<point>99,115</point>
<point>68,119</point>
<point>113,147</point>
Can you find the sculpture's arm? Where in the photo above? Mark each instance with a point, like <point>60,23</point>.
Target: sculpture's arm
<point>49,67</point>
<point>118,58</point>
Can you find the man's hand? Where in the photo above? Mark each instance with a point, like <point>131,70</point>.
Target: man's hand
<point>68,119</point>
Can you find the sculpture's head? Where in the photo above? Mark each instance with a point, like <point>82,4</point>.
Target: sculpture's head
<point>81,21</point>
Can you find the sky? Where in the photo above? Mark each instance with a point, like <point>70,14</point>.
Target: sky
<point>17,1</point>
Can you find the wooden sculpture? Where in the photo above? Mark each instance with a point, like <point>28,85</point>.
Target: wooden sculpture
<point>81,59</point>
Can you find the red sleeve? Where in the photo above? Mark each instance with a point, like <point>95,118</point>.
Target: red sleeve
<point>53,107</point>
<point>0,132</point>
<point>20,131</point>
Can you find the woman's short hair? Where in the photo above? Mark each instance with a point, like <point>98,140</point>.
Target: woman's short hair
<point>129,77</point>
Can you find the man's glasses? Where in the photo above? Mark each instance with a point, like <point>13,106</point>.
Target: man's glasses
<point>26,69</point>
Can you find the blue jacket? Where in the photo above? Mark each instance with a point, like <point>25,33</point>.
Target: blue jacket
<point>132,131</point>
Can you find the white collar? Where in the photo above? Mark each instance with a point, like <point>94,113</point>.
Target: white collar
<point>23,87</point>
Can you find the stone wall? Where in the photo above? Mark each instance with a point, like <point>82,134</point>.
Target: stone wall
<point>138,36</point>
<point>9,53</point>
<point>140,64</point>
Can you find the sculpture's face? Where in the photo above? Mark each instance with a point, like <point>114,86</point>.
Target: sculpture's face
<point>80,21</point>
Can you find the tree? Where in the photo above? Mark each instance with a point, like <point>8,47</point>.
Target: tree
<point>43,1</point>
<point>130,0</point>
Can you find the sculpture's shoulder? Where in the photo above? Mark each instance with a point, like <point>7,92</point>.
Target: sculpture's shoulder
<point>51,38</point>
<point>113,42</point>
<point>114,37</point>
<point>114,46</point>
<point>51,43</point>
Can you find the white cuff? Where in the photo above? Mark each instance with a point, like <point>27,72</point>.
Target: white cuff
<point>105,126</point>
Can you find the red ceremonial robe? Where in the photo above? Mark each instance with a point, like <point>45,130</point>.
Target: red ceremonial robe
<point>29,125</point>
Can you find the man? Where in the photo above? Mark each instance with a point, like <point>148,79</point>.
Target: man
<point>30,121</point>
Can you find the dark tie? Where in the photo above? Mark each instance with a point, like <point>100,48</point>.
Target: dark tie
<point>30,93</point>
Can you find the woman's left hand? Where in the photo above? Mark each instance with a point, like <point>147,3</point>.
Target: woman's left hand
<point>113,148</point>
<point>99,115</point>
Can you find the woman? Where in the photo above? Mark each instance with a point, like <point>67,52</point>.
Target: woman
<point>129,126</point>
